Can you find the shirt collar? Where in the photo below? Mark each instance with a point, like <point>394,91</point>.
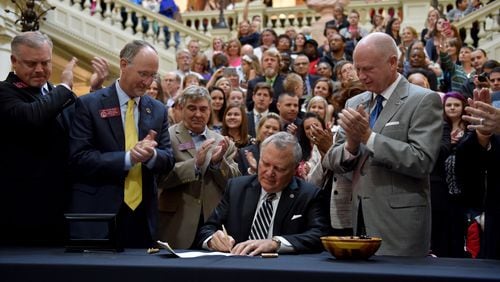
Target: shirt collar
<point>123,97</point>
<point>387,93</point>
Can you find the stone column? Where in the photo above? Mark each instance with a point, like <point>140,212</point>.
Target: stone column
<point>415,13</point>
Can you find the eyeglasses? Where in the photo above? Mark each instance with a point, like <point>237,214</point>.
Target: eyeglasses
<point>301,64</point>
<point>146,75</point>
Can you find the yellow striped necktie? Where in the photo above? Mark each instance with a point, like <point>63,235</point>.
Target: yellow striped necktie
<point>133,181</point>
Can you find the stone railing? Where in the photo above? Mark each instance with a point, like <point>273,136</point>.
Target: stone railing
<point>488,19</point>
<point>301,16</point>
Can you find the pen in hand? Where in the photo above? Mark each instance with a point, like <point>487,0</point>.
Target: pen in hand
<point>228,241</point>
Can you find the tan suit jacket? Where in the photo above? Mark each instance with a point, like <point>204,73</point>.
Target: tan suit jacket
<point>185,196</point>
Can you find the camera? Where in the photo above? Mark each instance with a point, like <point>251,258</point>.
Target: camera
<point>482,77</point>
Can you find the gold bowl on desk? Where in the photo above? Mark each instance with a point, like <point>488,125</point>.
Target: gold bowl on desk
<point>351,247</point>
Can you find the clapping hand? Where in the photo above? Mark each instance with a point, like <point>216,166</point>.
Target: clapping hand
<point>143,151</point>
<point>355,123</point>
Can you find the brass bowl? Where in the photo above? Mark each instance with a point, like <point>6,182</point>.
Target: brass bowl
<point>351,247</point>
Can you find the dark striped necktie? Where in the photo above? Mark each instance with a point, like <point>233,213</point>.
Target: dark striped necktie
<point>261,223</point>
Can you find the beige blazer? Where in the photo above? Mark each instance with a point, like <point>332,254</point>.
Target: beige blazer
<point>185,196</point>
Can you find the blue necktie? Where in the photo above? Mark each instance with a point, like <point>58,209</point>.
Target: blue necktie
<point>376,111</point>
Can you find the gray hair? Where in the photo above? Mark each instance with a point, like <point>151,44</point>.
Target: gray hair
<point>31,39</point>
<point>283,140</point>
<point>132,49</point>
<point>195,92</point>
<point>183,51</point>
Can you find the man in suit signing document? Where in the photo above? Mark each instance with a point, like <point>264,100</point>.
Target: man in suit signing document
<point>272,211</point>
<point>389,139</point>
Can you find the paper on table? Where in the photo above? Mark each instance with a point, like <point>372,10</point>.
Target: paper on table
<point>169,249</point>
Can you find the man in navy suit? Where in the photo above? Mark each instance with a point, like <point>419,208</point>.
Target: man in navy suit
<point>262,99</point>
<point>271,62</point>
<point>99,158</point>
<point>296,219</point>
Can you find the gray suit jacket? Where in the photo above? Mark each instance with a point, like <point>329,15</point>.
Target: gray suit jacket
<point>184,196</point>
<point>393,182</point>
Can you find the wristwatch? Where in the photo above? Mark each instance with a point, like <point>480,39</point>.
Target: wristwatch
<point>275,239</point>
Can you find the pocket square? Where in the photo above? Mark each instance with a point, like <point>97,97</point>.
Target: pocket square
<point>295,216</point>
<point>392,123</point>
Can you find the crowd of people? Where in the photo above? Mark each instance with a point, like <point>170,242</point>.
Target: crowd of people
<point>263,143</point>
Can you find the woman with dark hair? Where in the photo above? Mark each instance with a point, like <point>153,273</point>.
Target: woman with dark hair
<point>300,41</point>
<point>311,155</point>
<point>235,124</point>
<point>448,209</point>
<point>392,29</point>
<point>218,108</point>
<point>155,91</point>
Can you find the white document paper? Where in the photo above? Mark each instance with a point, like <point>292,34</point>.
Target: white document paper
<point>195,254</point>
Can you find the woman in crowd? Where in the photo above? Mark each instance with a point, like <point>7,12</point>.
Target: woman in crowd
<point>224,84</point>
<point>324,88</point>
<point>392,28</point>
<point>311,157</point>
<point>346,73</point>
<point>408,36</point>
<point>418,64</point>
<point>300,41</point>
<point>319,106</point>
<point>324,69</point>
<point>378,23</point>
<point>448,217</point>
<point>233,52</point>
<point>218,108</point>
<point>453,75</point>
<point>190,79</point>
<point>250,66</point>
<point>235,125</point>
<point>217,48</point>
<point>155,91</point>
<point>430,25</point>
<point>236,97</point>
<point>284,43</point>
<point>248,157</point>
<point>201,66</point>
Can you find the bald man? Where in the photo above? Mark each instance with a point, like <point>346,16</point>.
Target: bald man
<point>390,144</point>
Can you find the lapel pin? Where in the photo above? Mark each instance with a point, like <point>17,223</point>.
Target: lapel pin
<point>148,110</point>
<point>292,196</point>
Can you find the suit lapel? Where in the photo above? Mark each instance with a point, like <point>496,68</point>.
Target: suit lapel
<point>287,199</point>
<point>145,112</point>
<point>109,100</point>
<point>183,136</point>
<point>393,104</point>
<point>252,194</point>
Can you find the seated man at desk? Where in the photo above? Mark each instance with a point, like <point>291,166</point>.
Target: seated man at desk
<point>272,211</point>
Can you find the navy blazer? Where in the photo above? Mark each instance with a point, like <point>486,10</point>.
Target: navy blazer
<point>97,154</point>
<point>299,217</point>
